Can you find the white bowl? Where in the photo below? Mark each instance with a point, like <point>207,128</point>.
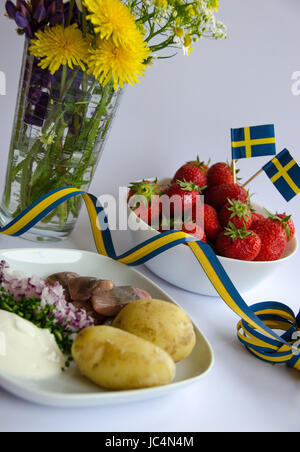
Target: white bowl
<point>179,266</point>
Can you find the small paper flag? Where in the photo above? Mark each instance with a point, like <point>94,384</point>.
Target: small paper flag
<point>256,141</point>
<point>284,173</point>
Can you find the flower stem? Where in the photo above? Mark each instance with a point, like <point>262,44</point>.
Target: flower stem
<point>71,8</point>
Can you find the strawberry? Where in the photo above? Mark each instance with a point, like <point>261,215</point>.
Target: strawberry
<point>149,210</point>
<point>202,165</point>
<point>237,212</point>
<point>194,172</point>
<point>286,222</point>
<point>187,194</point>
<point>207,216</point>
<point>219,174</point>
<point>273,239</point>
<point>218,195</point>
<point>195,230</point>
<point>256,216</point>
<point>238,243</point>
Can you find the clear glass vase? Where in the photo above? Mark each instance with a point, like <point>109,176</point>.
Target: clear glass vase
<point>60,128</point>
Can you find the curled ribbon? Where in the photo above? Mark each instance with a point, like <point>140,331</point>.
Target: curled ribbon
<point>255,330</point>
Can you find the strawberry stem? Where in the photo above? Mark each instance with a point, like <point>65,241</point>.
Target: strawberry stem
<point>239,209</point>
<point>234,233</point>
<point>190,186</point>
<point>199,164</point>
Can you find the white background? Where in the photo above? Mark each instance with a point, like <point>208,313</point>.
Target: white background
<point>184,107</point>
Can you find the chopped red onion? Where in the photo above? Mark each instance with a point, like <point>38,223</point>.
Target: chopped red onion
<point>17,284</point>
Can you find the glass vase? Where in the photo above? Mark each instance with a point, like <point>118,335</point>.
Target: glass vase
<point>60,128</point>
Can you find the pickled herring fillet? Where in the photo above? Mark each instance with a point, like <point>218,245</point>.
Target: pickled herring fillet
<point>110,302</point>
<point>62,278</point>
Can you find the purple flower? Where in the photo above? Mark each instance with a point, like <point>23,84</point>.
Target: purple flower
<point>41,78</point>
<point>40,83</point>
<point>35,15</point>
<point>42,106</point>
<point>34,95</point>
<point>40,14</point>
<point>21,21</point>
<point>39,102</point>
<point>47,79</point>
<point>33,120</point>
<point>11,10</point>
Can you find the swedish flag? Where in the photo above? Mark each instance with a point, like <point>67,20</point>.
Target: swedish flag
<point>284,172</point>
<point>255,141</point>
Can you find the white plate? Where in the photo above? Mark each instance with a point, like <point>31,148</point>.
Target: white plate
<point>70,389</point>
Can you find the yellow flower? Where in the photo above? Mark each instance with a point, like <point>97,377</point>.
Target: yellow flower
<point>112,19</point>
<point>161,3</point>
<point>120,64</point>
<point>215,4</point>
<point>191,11</point>
<point>188,41</point>
<point>179,31</point>
<point>187,45</point>
<point>58,46</point>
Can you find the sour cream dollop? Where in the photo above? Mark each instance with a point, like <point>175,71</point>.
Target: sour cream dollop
<point>27,351</point>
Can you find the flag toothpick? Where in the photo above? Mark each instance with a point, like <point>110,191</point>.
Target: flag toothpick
<point>234,171</point>
<point>284,173</point>
<point>259,141</point>
<point>252,178</point>
<point>249,142</point>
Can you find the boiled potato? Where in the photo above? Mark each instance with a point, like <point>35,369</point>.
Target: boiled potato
<point>118,360</point>
<point>162,323</point>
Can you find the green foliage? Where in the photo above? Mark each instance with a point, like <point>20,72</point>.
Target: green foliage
<point>179,23</point>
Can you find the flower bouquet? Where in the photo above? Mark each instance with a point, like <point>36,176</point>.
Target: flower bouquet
<point>79,55</point>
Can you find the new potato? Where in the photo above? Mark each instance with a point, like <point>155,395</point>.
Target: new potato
<point>118,360</point>
<point>162,323</point>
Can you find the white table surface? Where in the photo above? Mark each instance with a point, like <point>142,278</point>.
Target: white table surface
<point>182,108</point>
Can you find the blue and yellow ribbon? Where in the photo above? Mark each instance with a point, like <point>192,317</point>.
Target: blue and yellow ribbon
<point>256,329</point>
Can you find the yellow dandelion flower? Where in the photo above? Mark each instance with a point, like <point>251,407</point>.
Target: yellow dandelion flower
<point>109,61</point>
<point>57,46</point>
<point>112,19</point>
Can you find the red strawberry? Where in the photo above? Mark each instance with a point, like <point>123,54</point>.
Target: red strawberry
<point>290,229</point>
<point>206,215</point>
<point>202,165</point>
<point>194,172</point>
<point>219,174</point>
<point>237,212</point>
<point>149,210</point>
<point>218,195</point>
<point>187,195</point>
<point>286,222</point>
<point>273,238</point>
<point>145,188</point>
<point>256,216</point>
<point>195,230</point>
<point>238,243</point>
